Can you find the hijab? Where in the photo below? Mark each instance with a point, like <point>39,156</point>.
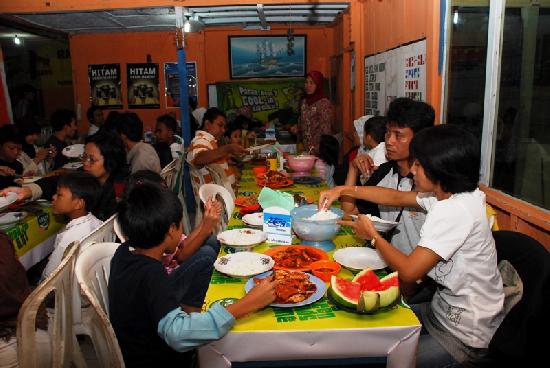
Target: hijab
<point>319,92</point>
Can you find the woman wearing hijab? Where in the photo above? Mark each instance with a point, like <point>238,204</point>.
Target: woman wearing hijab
<point>315,113</point>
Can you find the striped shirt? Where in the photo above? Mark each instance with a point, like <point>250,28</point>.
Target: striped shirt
<point>204,141</point>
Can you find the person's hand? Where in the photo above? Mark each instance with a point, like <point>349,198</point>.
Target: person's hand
<point>328,196</point>
<point>22,193</point>
<point>363,227</point>
<point>6,171</point>
<point>261,295</point>
<point>212,214</point>
<point>364,164</point>
<point>42,154</point>
<point>235,149</point>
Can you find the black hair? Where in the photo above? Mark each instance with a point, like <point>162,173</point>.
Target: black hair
<point>376,127</point>
<point>408,113</point>
<point>211,114</point>
<point>82,185</point>
<point>131,126</point>
<point>113,152</point>
<point>141,177</point>
<point>29,127</point>
<point>169,121</point>
<point>91,111</point>
<point>328,149</point>
<point>450,156</point>
<point>111,121</point>
<point>231,128</point>
<point>147,213</point>
<point>60,118</point>
<point>9,133</point>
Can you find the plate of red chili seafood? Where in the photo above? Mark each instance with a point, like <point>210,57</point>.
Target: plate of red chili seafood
<point>293,288</point>
<point>295,257</point>
<point>273,179</point>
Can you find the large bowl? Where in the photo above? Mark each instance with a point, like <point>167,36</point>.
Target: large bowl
<point>302,164</point>
<point>316,231</point>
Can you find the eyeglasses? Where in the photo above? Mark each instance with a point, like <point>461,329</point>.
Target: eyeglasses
<point>90,159</point>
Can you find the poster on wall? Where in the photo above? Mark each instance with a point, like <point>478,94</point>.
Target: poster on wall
<point>172,83</point>
<point>262,97</point>
<point>105,85</point>
<point>143,86</point>
<point>414,70</point>
<point>398,72</point>
<point>375,86</point>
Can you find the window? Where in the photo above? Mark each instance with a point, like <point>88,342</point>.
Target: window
<point>516,128</point>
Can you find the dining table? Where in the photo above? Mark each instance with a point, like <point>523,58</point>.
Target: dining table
<point>320,333</point>
<point>33,235</point>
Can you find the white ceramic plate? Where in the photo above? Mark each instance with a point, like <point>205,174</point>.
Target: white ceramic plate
<point>73,165</point>
<point>12,217</point>
<point>254,219</point>
<point>244,264</point>
<point>359,258</point>
<point>28,180</point>
<point>73,151</point>
<point>242,237</point>
<point>379,224</point>
<point>319,291</point>
<point>7,200</point>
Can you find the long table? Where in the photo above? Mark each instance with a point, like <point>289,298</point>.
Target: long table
<point>33,236</point>
<point>317,332</point>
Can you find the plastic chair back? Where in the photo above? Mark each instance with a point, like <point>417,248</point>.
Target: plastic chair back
<point>92,271</point>
<point>197,180</point>
<point>219,177</point>
<point>104,233</point>
<point>517,340</point>
<point>61,327</point>
<point>208,191</point>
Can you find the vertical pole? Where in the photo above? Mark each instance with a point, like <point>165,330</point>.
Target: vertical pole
<point>184,103</point>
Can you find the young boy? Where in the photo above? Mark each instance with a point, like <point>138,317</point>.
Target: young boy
<point>76,194</point>
<point>375,129</point>
<point>10,148</point>
<point>151,328</point>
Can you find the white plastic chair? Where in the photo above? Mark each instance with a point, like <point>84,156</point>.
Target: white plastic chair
<point>92,271</point>
<point>219,177</point>
<point>197,181</point>
<point>172,174</point>
<point>118,230</point>
<point>63,341</point>
<point>104,233</point>
<point>208,191</point>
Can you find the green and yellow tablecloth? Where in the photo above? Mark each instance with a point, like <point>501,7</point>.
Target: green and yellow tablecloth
<point>318,331</point>
<point>34,236</point>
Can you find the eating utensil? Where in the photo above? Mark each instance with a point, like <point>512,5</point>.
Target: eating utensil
<point>255,148</point>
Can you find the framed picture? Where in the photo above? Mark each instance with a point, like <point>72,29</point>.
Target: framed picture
<point>267,56</point>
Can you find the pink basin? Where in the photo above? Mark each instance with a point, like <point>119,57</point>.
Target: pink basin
<point>301,164</point>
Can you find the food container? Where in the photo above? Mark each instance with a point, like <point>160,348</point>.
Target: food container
<point>302,164</point>
<point>315,233</point>
<point>325,269</point>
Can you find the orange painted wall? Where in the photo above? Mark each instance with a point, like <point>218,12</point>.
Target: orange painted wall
<point>208,48</point>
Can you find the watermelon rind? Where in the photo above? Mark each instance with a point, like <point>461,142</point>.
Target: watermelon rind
<point>388,277</point>
<point>368,302</point>
<point>388,296</point>
<point>338,296</point>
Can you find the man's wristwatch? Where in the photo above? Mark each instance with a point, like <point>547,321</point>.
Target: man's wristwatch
<point>373,241</point>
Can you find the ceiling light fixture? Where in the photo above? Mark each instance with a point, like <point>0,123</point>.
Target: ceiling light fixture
<point>187,24</point>
<point>16,40</point>
<point>455,17</point>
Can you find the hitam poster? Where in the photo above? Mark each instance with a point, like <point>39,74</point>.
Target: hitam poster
<point>143,86</point>
<point>105,85</point>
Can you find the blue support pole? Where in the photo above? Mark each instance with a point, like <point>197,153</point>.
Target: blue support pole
<point>185,125</point>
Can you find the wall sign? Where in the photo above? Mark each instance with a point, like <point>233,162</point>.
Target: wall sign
<point>143,86</point>
<point>105,85</point>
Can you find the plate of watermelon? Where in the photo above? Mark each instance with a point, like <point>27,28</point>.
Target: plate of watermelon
<point>366,293</point>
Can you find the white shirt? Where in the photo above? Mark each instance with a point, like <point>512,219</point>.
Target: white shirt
<point>143,157</point>
<point>407,233</point>
<point>470,302</point>
<point>76,229</point>
<point>93,129</point>
<point>378,154</point>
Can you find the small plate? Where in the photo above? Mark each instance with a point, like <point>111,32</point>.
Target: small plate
<point>380,225</point>
<point>244,264</point>
<point>311,180</point>
<point>12,217</point>
<point>242,237</point>
<point>319,292</point>
<point>27,180</point>
<point>73,151</point>
<point>7,200</point>
<point>73,165</point>
<point>359,258</point>
<point>254,219</point>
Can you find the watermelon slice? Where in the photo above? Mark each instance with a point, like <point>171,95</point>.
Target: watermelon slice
<point>345,292</point>
<point>368,280</point>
